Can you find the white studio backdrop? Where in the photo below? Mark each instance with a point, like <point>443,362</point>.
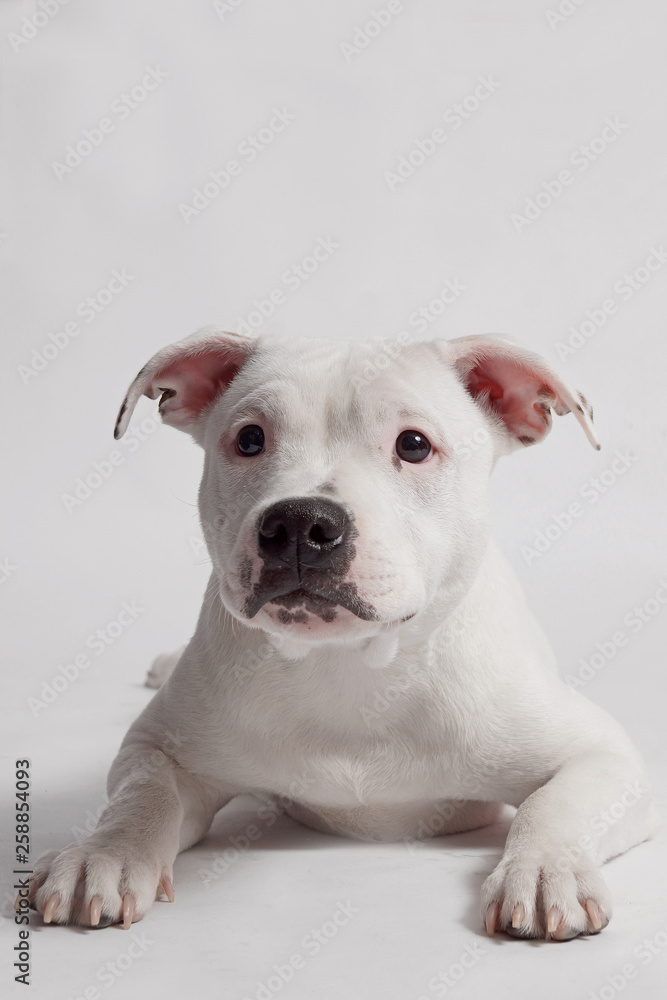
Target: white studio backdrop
<point>342,170</point>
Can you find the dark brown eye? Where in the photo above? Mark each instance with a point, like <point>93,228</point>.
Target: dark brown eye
<point>250,441</point>
<point>412,446</point>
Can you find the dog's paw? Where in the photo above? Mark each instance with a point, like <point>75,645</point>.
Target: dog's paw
<point>545,896</point>
<point>97,883</point>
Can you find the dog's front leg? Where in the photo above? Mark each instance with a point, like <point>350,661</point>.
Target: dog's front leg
<point>597,804</point>
<point>155,809</point>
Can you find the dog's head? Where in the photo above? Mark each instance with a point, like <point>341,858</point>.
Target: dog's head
<point>344,484</point>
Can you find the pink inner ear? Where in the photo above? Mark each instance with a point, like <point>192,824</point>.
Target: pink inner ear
<point>190,384</point>
<point>479,384</point>
<point>517,394</point>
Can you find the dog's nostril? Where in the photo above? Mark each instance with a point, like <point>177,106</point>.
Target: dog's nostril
<point>275,532</point>
<point>323,533</point>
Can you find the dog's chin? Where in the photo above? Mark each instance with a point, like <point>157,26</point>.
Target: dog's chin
<point>322,621</point>
<point>306,619</point>
<point>311,618</point>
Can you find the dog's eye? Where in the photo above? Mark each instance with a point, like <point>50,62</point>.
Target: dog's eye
<point>411,446</point>
<point>250,441</point>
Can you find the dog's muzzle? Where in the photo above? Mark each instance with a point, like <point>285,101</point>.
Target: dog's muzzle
<point>306,545</point>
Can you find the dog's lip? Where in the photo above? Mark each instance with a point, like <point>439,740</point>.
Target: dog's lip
<point>303,596</point>
<point>302,593</point>
<point>344,596</point>
<point>300,600</point>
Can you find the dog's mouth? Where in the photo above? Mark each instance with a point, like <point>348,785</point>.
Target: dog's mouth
<point>294,607</point>
<point>319,598</point>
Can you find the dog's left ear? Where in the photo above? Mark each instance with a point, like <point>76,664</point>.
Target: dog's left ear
<point>187,376</point>
<point>517,387</point>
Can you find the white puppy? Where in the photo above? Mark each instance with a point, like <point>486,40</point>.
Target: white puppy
<point>364,656</point>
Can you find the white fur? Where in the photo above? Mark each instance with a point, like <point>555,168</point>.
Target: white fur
<point>381,729</point>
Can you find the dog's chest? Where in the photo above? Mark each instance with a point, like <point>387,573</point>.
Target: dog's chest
<point>346,745</point>
<point>316,774</point>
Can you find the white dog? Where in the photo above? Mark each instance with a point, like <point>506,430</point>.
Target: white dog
<point>364,655</point>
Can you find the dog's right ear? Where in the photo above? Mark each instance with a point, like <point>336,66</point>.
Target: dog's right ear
<point>188,376</point>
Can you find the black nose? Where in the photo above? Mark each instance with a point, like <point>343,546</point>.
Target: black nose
<point>303,531</point>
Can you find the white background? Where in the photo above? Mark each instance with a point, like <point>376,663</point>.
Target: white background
<point>136,537</point>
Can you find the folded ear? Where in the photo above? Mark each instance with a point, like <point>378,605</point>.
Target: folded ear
<point>187,376</point>
<point>517,387</point>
